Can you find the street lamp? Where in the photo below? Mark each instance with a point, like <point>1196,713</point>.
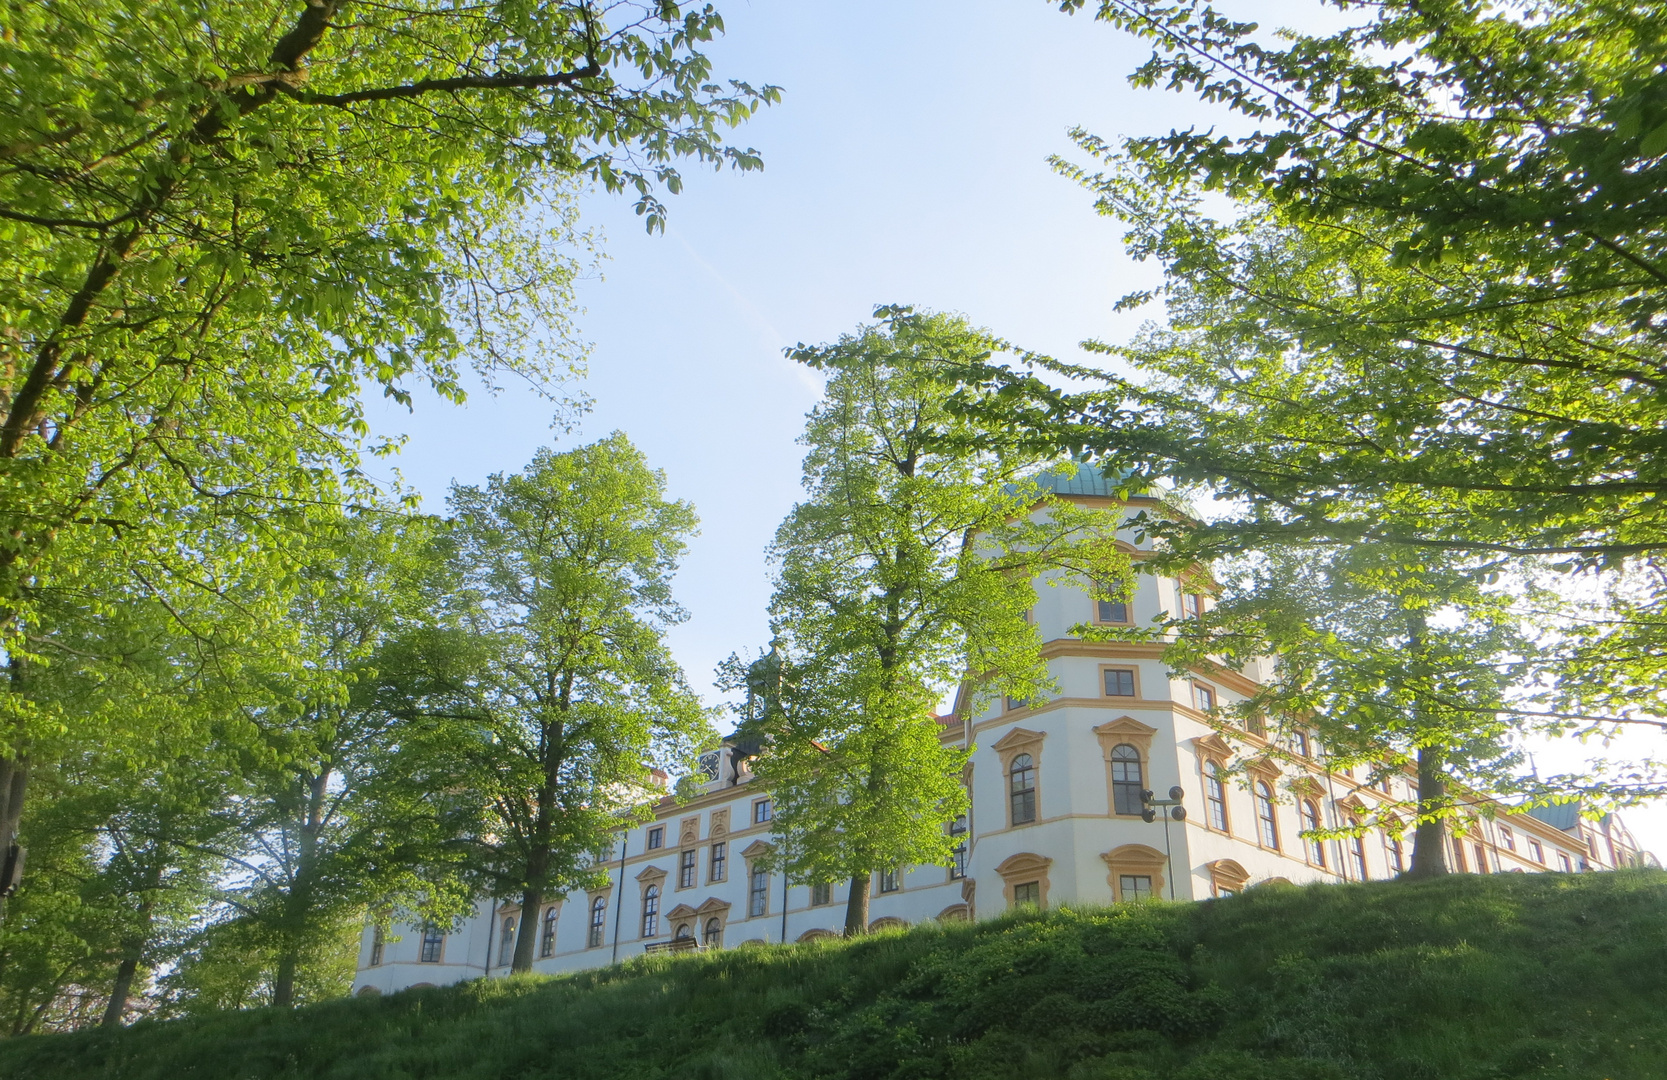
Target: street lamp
<point>1177,812</point>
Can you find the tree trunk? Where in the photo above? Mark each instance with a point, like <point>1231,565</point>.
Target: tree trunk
<point>856,907</point>
<point>526,929</point>
<point>283,986</point>
<point>133,948</point>
<point>117,1008</point>
<point>14,780</point>
<point>1429,840</point>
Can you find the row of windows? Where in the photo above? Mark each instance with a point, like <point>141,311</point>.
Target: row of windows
<point>1116,612</point>
<point>1121,682</point>
<point>1308,810</point>
<point>763,812</point>
<point>1127,783</point>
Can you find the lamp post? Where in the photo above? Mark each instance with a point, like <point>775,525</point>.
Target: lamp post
<point>1177,795</point>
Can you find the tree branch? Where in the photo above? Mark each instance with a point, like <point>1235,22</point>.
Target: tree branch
<point>500,81</point>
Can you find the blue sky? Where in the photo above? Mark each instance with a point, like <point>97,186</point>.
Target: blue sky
<point>907,163</point>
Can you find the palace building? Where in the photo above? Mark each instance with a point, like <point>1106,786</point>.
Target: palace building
<point>1056,817</point>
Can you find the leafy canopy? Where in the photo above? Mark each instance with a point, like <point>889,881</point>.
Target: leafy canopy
<point>909,566</point>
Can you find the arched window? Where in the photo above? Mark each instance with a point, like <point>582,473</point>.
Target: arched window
<point>1311,824</point>
<point>1397,858</point>
<point>1023,789</point>
<point>1266,824</point>
<point>547,940</point>
<point>598,920</point>
<point>1215,794</point>
<point>1357,853</point>
<point>1126,780</point>
<point>506,947</point>
<point>684,933</point>
<point>714,937</point>
<point>651,911</point>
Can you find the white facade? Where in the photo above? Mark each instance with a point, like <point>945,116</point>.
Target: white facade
<point>1053,834</point>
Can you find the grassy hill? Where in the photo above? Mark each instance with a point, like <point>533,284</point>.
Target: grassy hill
<point>1469,978</point>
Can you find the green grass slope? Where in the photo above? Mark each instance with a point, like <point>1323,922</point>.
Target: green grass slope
<point>1468,978</point>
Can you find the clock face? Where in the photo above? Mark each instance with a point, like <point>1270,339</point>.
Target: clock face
<point>709,764</point>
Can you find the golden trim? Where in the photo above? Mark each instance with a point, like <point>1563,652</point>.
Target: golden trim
<point>1022,869</point>
<point>1136,860</point>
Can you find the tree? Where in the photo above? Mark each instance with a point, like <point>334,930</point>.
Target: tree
<point>343,799</point>
<point>1389,656</point>
<point>1448,232</point>
<point>576,696</point>
<point>909,565</point>
<point>1416,304</point>
<point>160,866</point>
<point>218,224</point>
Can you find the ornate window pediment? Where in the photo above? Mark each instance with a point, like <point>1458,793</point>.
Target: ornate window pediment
<point>1227,876</point>
<point>1133,868</point>
<point>1126,729</point>
<point>1025,879</point>
<point>1213,747</point>
<point>1018,740</point>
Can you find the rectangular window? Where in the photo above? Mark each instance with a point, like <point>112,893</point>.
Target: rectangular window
<point>1029,893</point>
<point>1192,605</point>
<point>1203,698</point>
<point>1563,863</point>
<point>1215,793</point>
<point>433,945</point>
<point>758,893</point>
<point>686,869</point>
<point>1112,611</point>
<point>1300,744</point>
<point>958,857</point>
<point>657,837</point>
<point>762,812</point>
<point>376,945</point>
<point>1481,858</point>
<point>821,894</point>
<point>1134,886</point>
<point>888,880</point>
<point>1535,850</point>
<point>1458,858</point>
<point>719,868</point>
<point>1507,837</point>
<point>1119,682</point>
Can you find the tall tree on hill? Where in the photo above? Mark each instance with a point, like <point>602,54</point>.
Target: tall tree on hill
<point>220,222</point>
<point>344,803</point>
<point>575,694</point>
<point>1430,315</point>
<point>909,565</point>
<point>1391,657</point>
